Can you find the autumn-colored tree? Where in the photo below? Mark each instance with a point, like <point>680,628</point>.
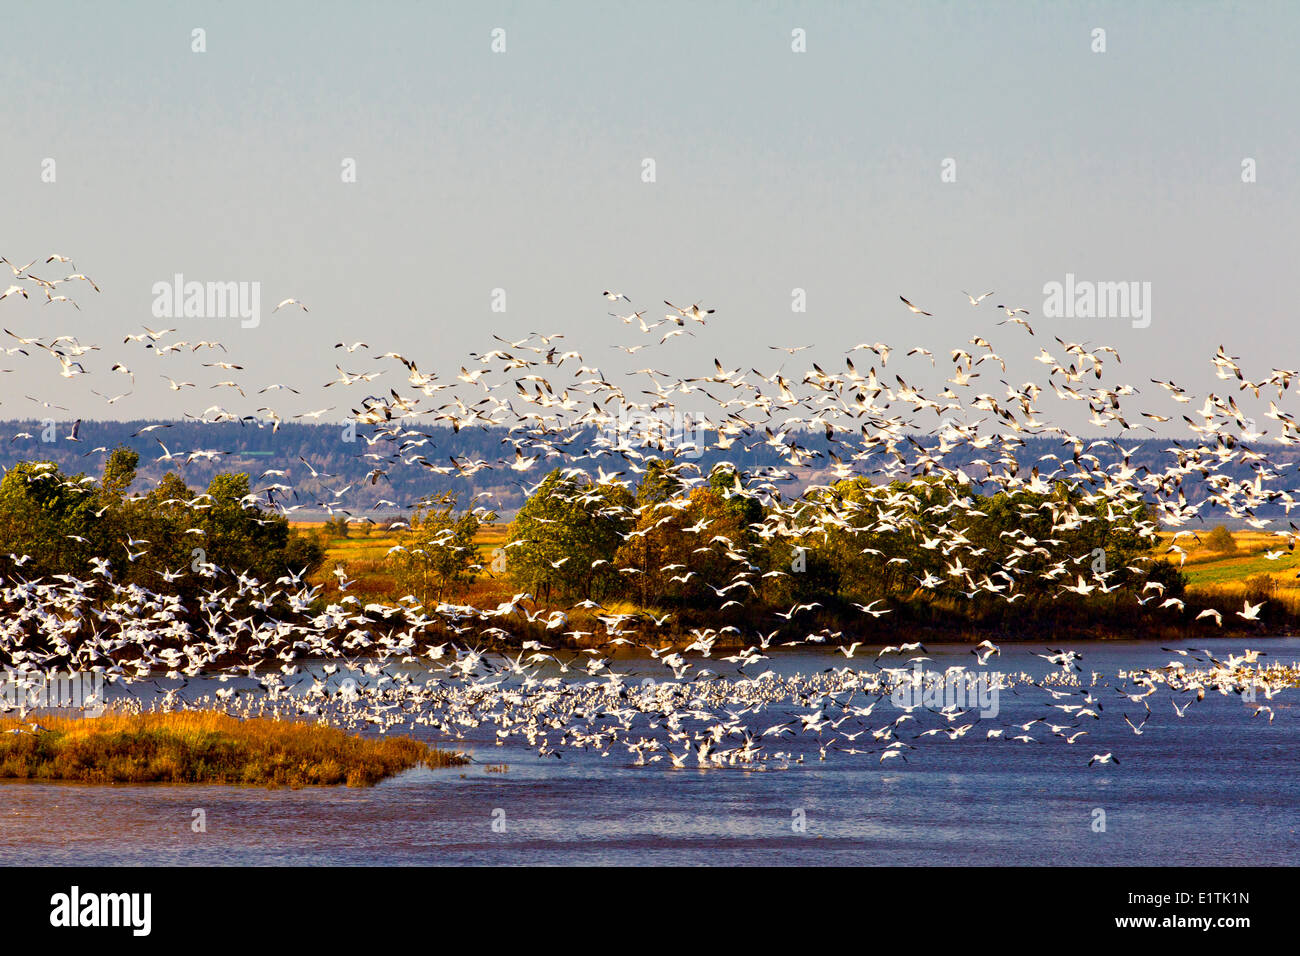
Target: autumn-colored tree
<point>687,549</point>
<point>1220,539</point>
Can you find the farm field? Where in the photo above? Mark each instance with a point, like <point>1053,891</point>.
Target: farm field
<point>363,554</point>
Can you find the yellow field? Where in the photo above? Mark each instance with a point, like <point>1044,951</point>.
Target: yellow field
<point>1203,565</point>
<point>364,556</point>
<point>1247,572</point>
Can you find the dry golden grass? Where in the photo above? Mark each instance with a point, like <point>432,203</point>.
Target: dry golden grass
<point>1245,572</point>
<point>364,556</point>
<point>204,747</point>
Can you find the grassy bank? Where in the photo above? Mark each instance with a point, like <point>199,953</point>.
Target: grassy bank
<point>204,747</point>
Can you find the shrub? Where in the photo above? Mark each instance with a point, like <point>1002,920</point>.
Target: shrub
<point>1220,540</point>
<point>1260,587</point>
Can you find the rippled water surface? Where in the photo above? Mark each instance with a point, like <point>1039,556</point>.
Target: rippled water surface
<point>1216,787</point>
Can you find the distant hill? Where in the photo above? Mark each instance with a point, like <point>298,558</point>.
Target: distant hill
<point>342,467</point>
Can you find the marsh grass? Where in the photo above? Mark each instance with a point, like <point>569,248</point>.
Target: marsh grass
<point>205,747</point>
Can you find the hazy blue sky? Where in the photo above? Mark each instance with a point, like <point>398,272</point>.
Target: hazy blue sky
<point>522,170</point>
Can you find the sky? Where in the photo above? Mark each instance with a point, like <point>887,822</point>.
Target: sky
<point>829,170</point>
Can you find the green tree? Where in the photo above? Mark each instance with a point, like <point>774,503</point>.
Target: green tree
<point>438,549</point>
<point>566,534</point>
<point>49,517</point>
<point>659,483</point>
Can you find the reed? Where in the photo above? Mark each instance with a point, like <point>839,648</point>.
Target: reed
<point>204,747</point>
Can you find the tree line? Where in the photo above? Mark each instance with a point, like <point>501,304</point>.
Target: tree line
<point>172,539</point>
<point>712,552</point>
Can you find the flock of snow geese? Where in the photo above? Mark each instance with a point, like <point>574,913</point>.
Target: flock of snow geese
<point>256,647</point>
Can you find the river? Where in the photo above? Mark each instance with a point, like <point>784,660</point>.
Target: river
<point>1218,786</point>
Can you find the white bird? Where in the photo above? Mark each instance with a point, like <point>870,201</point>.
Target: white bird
<point>1250,612</point>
